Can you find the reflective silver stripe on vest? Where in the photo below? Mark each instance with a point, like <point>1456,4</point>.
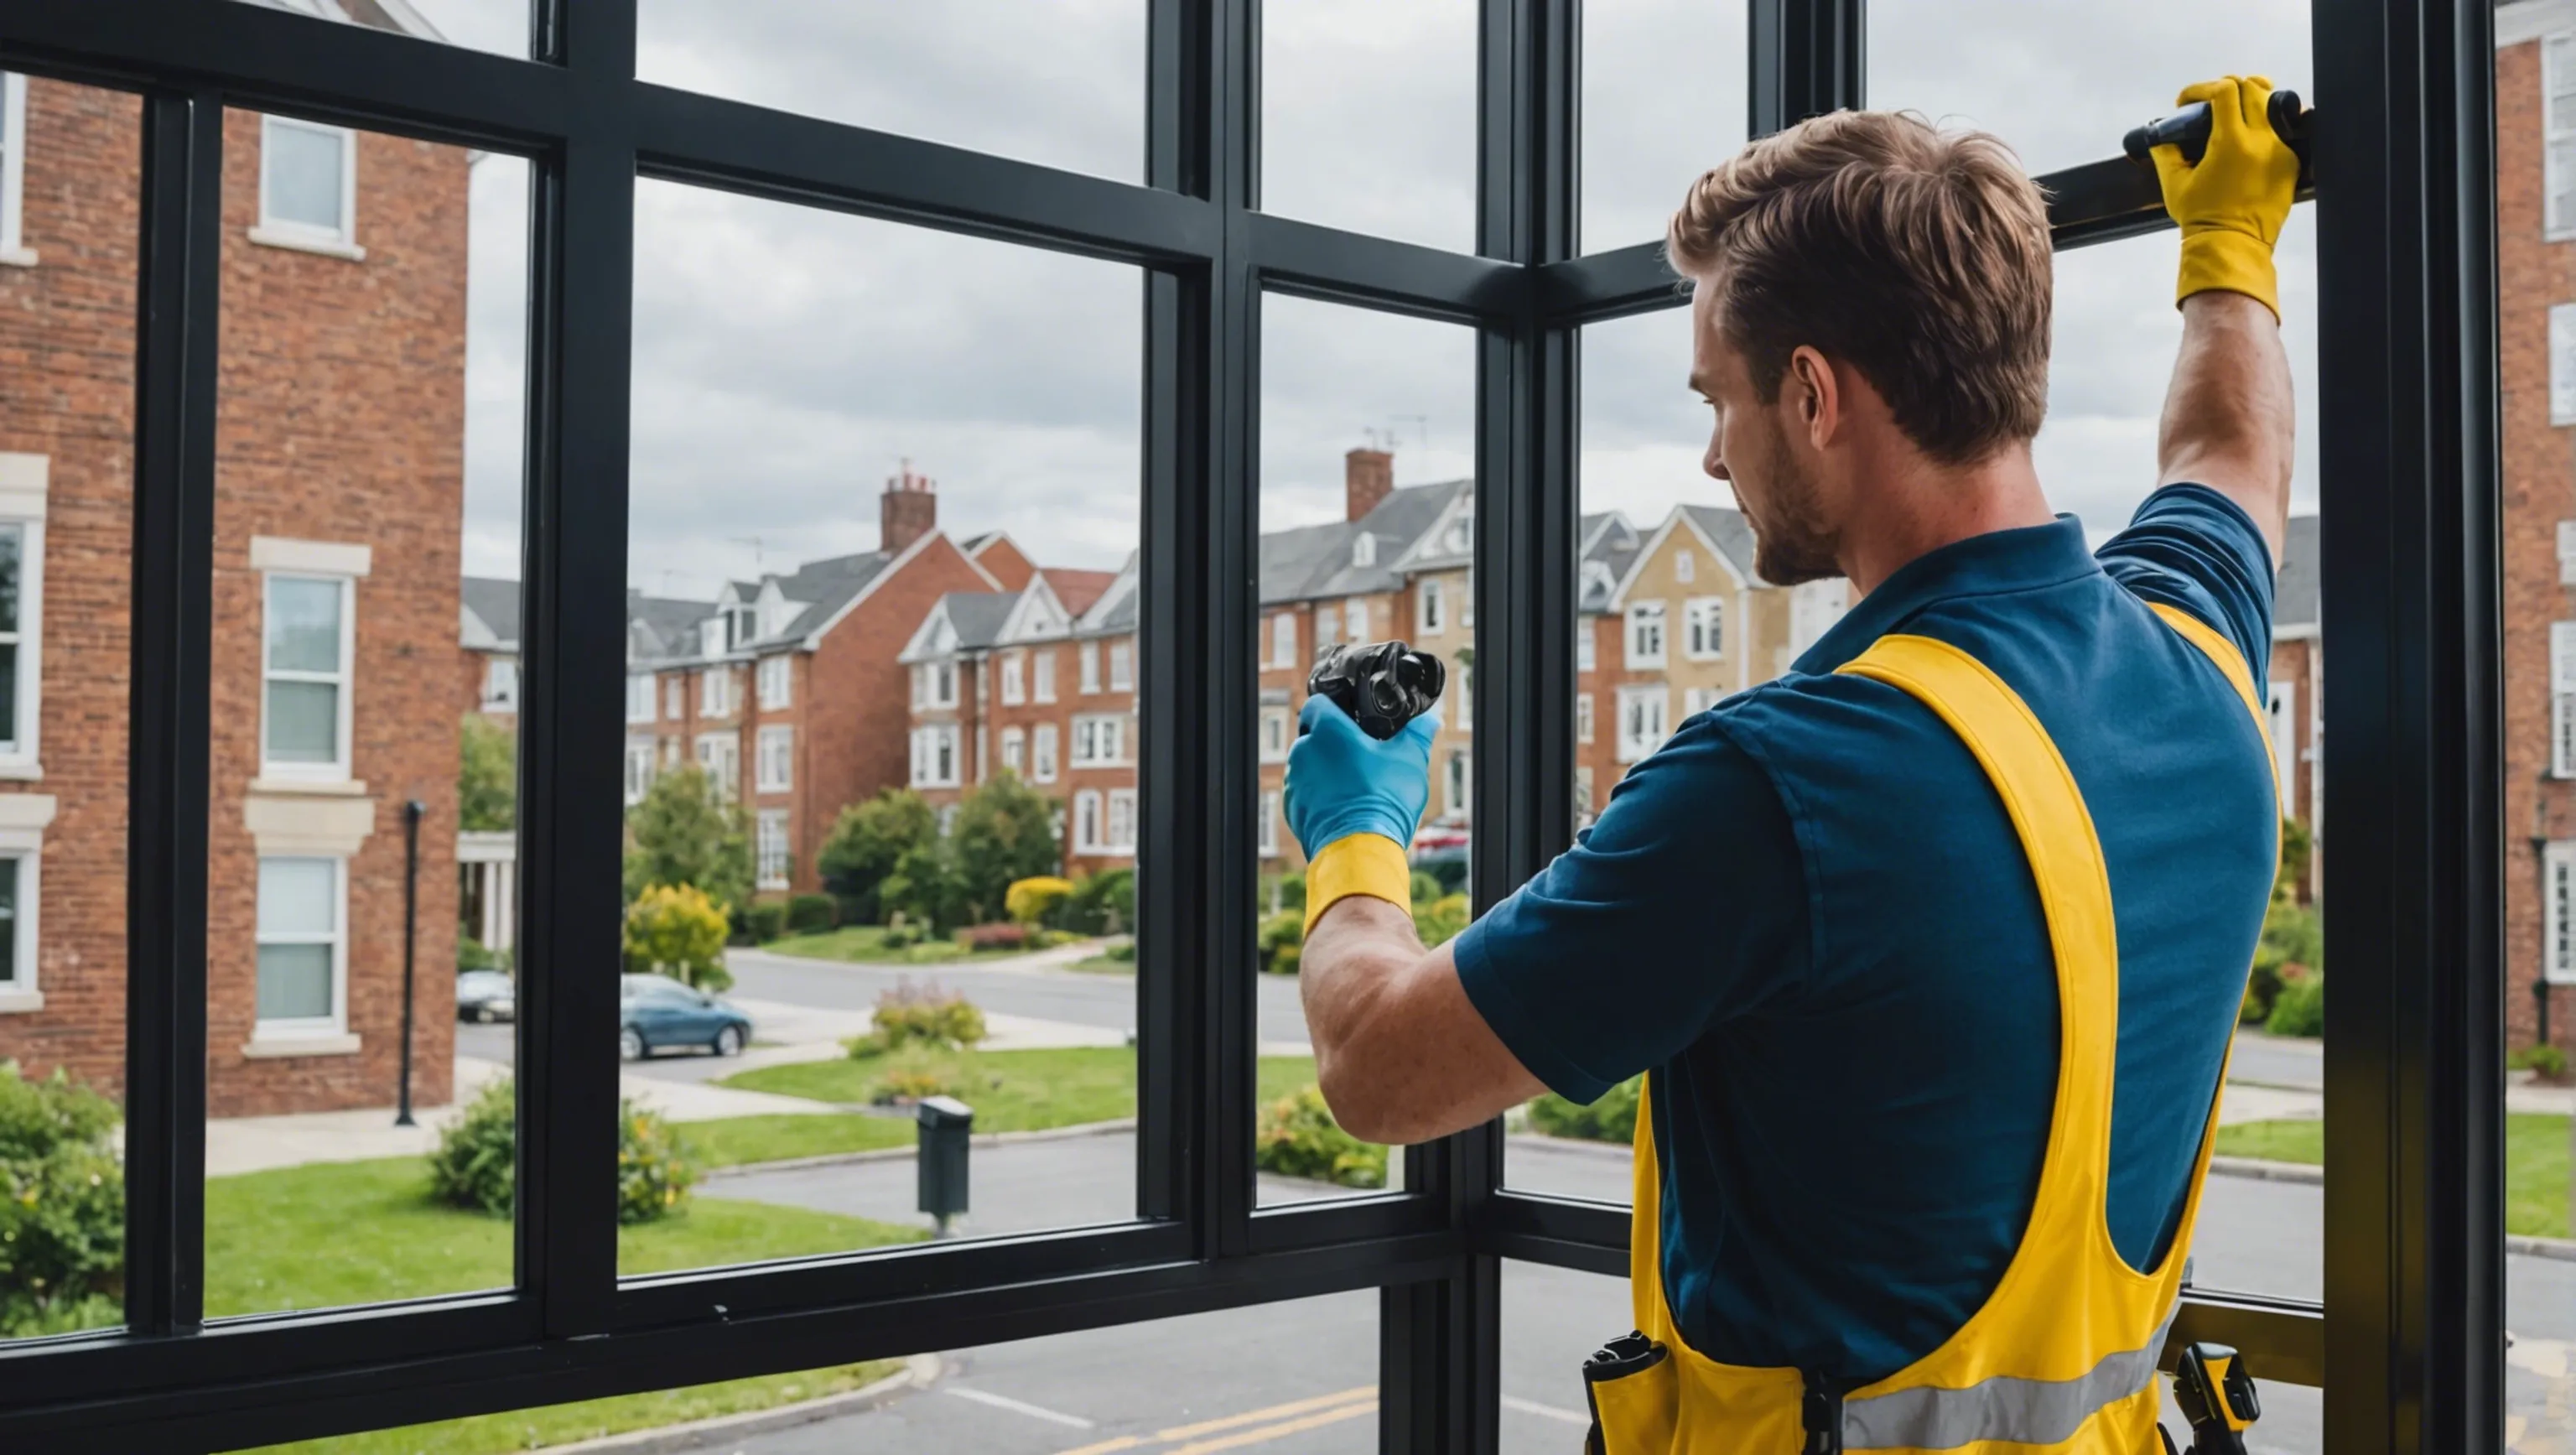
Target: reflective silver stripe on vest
<point>2023,1411</point>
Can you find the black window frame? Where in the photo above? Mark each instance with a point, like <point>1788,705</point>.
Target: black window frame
<point>2412,1357</point>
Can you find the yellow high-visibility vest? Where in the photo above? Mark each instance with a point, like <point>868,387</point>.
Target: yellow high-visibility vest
<point>2062,1356</point>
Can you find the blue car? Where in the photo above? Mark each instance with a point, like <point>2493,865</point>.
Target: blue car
<point>655,1013</point>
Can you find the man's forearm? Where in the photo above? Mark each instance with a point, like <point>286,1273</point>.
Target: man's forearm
<point>2230,416</point>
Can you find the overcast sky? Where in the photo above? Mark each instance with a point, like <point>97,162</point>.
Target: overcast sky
<point>786,360</point>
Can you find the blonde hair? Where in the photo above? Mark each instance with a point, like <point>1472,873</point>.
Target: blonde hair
<point>1919,257</point>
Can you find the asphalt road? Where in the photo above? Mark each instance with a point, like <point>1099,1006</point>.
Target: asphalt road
<point>1282,1369</point>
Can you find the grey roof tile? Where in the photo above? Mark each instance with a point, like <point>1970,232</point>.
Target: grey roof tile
<point>2294,591</point>
<point>1727,528</point>
<point>977,616</point>
<point>493,605</point>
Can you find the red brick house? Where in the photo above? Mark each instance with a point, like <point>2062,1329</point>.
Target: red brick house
<point>340,433</point>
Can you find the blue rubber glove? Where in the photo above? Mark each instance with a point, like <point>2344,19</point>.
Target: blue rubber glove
<point>1342,782</point>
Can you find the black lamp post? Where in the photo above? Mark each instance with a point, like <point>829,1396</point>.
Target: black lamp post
<point>411,916</point>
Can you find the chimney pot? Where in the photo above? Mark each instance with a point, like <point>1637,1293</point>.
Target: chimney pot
<point>906,512</point>
<point>1368,476</point>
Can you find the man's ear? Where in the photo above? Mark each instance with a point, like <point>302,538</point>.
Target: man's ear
<point>1819,394</point>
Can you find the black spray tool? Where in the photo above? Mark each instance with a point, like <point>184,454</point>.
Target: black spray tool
<point>1382,685</point>
<point>2189,129</point>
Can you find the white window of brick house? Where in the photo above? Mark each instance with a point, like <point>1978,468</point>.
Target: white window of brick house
<point>934,756</point>
<point>721,755</point>
<point>1355,619</point>
<point>1283,639</point>
<point>2558,112</point>
<point>18,901</point>
<point>1089,653</point>
<point>22,609</point>
<point>1015,752</point>
<point>777,761</point>
<point>1269,831</point>
<point>501,684</point>
<point>1641,721</point>
<point>1086,822</point>
<point>639,772</point>
<point>1122,667</point>
<point>2558,912</point>
<point>2281,708</point>
<point>1042,754</point>
<point>1462,699</point>
<point>941,681</point>
<point>13,168</point>
<point>303,948</point>
<point>309,640</point>
<point>1453,781</point>
<point>1014,678</point>
<point>1583,717</point>
<point>1696,700</point>
<point>1646,634</point>
<point>2562,699</point>
<point>675,705</point>
<point>2562,363</point>
<point>776,681</point>
<point>1703,627</point>
<point>1099,742</point>
<point>715,692</point>
<point>308,187</point>
<point>1328,628</point>
<point>1042,671</point>
<point>2567,553</point>
<point>769,849</point>
<point>1430,616</point>
<point>1586,652</point>
<point>1122,821</point>
<point>1274,735</point>
<point>639,697</point>
<point>1583,796</point>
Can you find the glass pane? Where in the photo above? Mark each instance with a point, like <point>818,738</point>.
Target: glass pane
<point>67,331</point>
<point>1367,533</point>
<point>1060,82</point>
<point>2063,83</point>
<point>12,544</point>
<point>294,982</point>
<point>934,923</point>
<point>303,625</point>
<point>2537,370</point>
<point>1665,97</point>
<point>1368,117</point>
<point>300,166</point>
<point>303,722</point>
<point>368,445</point>
<point>499,26</point>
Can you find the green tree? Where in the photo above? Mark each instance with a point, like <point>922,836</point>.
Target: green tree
<point>925,886</point>
<point>684,832</point>
<point>866,844</point>
<point>1004,832</point>
<point>678,931</point>
<point>487,781</point>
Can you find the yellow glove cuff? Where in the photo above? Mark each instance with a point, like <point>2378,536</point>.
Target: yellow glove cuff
<point>1370,864</point>
<point>2235,262</point>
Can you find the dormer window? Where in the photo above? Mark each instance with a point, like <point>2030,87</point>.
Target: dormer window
<point>1364,550</point>
<point>1462,535</point>
<point>739,626</point>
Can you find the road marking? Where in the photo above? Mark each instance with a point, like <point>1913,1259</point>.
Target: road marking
<point>1016,1406</point>
<point>1123,1442</point>
<point>1263,1434</point>
<point>1254,1417</point>
<point>1547,1411</point>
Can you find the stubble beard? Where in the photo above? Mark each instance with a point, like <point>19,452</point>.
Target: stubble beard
<point>1792,543</point>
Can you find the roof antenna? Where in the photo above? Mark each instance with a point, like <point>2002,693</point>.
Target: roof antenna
<point>1421,424</point>
<point>754,543</point>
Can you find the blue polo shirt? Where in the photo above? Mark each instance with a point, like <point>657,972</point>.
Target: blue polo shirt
<point>1810,916</point>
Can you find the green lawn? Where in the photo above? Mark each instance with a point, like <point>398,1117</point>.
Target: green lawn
<point>2535,1163</point>
<point>540,1429</point>
<point>1011,1091</point>
<point>733,1141</point>
<point>865,945</point>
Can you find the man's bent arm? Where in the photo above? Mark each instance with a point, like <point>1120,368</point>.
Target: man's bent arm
<point>2229,417</point>
<point>1402,1054</point>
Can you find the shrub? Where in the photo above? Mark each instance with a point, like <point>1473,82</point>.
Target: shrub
<point>766,922</point>
<point>685,831</point>
<point>1049,939</point>
<point>1283,892</point>
<point>1426,887</point>
<point>1034,901</point>
<point>2548,1062</point>
<point>1004,832</point>
<point>809,914</point>
<point>471,955</point>
<point>927,1014</point>
<point>474,1167</point>
<point>935,952</point>
<point>1282,939</point>
<point>993,937</point>
<point>677,930</point>
<point>866,843</point>
<point>1101,904</point>
<point>899,936</point>
<point>907,1079</point>
<point>2293,935</point>
<point>1441,919</point>
<point>1611,1119</point>
<point>1123,951</point>
<point>62,1206</point>
<point>487,776</point>
<point>2301,1008</point>
<point>1298,1137</point>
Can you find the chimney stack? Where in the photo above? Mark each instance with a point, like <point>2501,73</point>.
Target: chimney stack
<point>1368,476</point>
<point>907,511</point>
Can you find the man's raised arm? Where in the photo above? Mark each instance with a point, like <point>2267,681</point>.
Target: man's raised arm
<point>2229,417</point>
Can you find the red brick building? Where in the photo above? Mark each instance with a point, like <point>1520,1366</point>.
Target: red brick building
<point>340,431</point>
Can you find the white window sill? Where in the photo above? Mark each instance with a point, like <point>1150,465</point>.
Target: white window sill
<point>21,770</point>
<point>17,257</point>
<point>281,1047</point>
<point>21,1002</point>
<point>320,787</point>
<point>269,237</point>
<point>771,884</point>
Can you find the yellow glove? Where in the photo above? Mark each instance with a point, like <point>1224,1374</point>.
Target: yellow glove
<point>2232,205</point>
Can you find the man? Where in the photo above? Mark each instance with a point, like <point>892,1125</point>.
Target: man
<point>1934,946</point>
